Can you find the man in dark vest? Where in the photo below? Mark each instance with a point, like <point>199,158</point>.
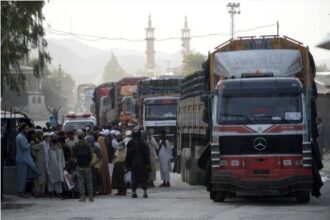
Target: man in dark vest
<point>83,154</point>
<point>137,160</point>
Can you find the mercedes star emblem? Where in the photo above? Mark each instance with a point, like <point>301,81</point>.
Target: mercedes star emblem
<point>260,143</point>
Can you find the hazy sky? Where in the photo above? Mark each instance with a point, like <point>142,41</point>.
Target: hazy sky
<point>305,21</point>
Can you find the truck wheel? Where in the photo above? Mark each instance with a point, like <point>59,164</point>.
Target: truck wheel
<point>193,177</point>
<point>191,174</point>
<point>218,196</point>
<point>212,195</point>
<point>186,170</point>
<point>302,196</point>
<point>183,167</point>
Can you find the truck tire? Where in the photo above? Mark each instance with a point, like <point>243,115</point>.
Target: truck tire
<point>303,196</point>
<point>191,175</point>
<point>218,196</point>
<point>183,167</point>
<point>185,162</point>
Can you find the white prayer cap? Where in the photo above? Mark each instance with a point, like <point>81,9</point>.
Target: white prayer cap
<point>115,132</point>
<point>128,133</point>
<point>105,132</point>
<point>48,134</point>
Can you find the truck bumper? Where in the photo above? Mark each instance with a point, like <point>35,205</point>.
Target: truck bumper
<point>283,186</point>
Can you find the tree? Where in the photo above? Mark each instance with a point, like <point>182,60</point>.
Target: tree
<point>59,90</point>
<point>192,62</point>
<point>21,32</point>
<point>112,71</point>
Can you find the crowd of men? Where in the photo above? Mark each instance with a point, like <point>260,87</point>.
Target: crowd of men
<point>89,162</point>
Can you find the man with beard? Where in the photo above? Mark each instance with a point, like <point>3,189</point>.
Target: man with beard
<point>83,155</point>
<point>164,157</point>
<point>38,153</point>
<point>56,164</point>
<point>137,160</point>
<point>25,166</point>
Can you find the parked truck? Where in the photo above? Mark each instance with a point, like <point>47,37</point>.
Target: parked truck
<point>84,97</point>
<point>122,103</point>
<point>157,105</point>
<point>101,103</point>
<point>247,120</point>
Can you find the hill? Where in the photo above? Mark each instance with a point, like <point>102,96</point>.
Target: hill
<point>86,63</point>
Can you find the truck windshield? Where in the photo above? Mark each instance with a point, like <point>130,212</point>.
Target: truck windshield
<point>160,112</point>
<point>260,109</point>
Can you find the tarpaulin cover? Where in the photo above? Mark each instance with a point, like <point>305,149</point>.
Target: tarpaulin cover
<point>104,91</point>
<point>127,90</point>
<point>279,62</point>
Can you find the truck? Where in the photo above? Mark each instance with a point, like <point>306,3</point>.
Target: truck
<point>101,103</point>
<point>157,105</point>
<point>121,101</point>
<point>245,121</point>
<point>84,97</point>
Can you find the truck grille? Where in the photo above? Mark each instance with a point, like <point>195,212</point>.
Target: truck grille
<point>277,144</point>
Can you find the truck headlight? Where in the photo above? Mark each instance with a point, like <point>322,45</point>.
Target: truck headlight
<point>223,163</point>
<point>234,163</point>
<point>287,162</point>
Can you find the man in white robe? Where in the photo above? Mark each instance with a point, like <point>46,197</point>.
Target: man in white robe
<point>164,157</point>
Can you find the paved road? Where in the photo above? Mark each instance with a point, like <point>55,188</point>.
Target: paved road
<point>181,201</point>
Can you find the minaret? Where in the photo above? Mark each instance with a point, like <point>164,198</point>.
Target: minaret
<point>150,39</point>
<point>185,38</point>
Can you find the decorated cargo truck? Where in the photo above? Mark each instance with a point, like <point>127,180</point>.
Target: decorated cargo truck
<point>246,122</point>
<point>157,105</point>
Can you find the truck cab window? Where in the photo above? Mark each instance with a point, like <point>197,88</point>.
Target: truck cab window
<point>259,109</point>
<point>156,112</point>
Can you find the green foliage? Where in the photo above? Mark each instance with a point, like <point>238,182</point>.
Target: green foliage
<point>192,62</point>
<point>10,99</point>
<point>59,88</point>
<point>112,71</point>
<point>21,32</point>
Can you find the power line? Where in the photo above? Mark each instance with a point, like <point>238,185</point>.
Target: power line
<point>96,38</point>
<point>88,37</point>
<point>256,28</point>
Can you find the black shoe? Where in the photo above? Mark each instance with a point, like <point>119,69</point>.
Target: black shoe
<point>35,195</point>
<point>168,184</point>
<point>162,185</point>
<point>134,195</point>
<point>151,184</point>
<point>145,195</point>
<point>42,195</point>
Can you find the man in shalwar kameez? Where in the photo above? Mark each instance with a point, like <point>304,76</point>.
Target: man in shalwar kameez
<point>25,166</point>
<point>164,157</point>
<point>38,152</point>
<point>137,160</point>
<point>55,168</point>
<point>153,146</point>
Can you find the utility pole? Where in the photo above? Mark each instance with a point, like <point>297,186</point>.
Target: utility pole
<point>233,8</point>
<point>59,75</point>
